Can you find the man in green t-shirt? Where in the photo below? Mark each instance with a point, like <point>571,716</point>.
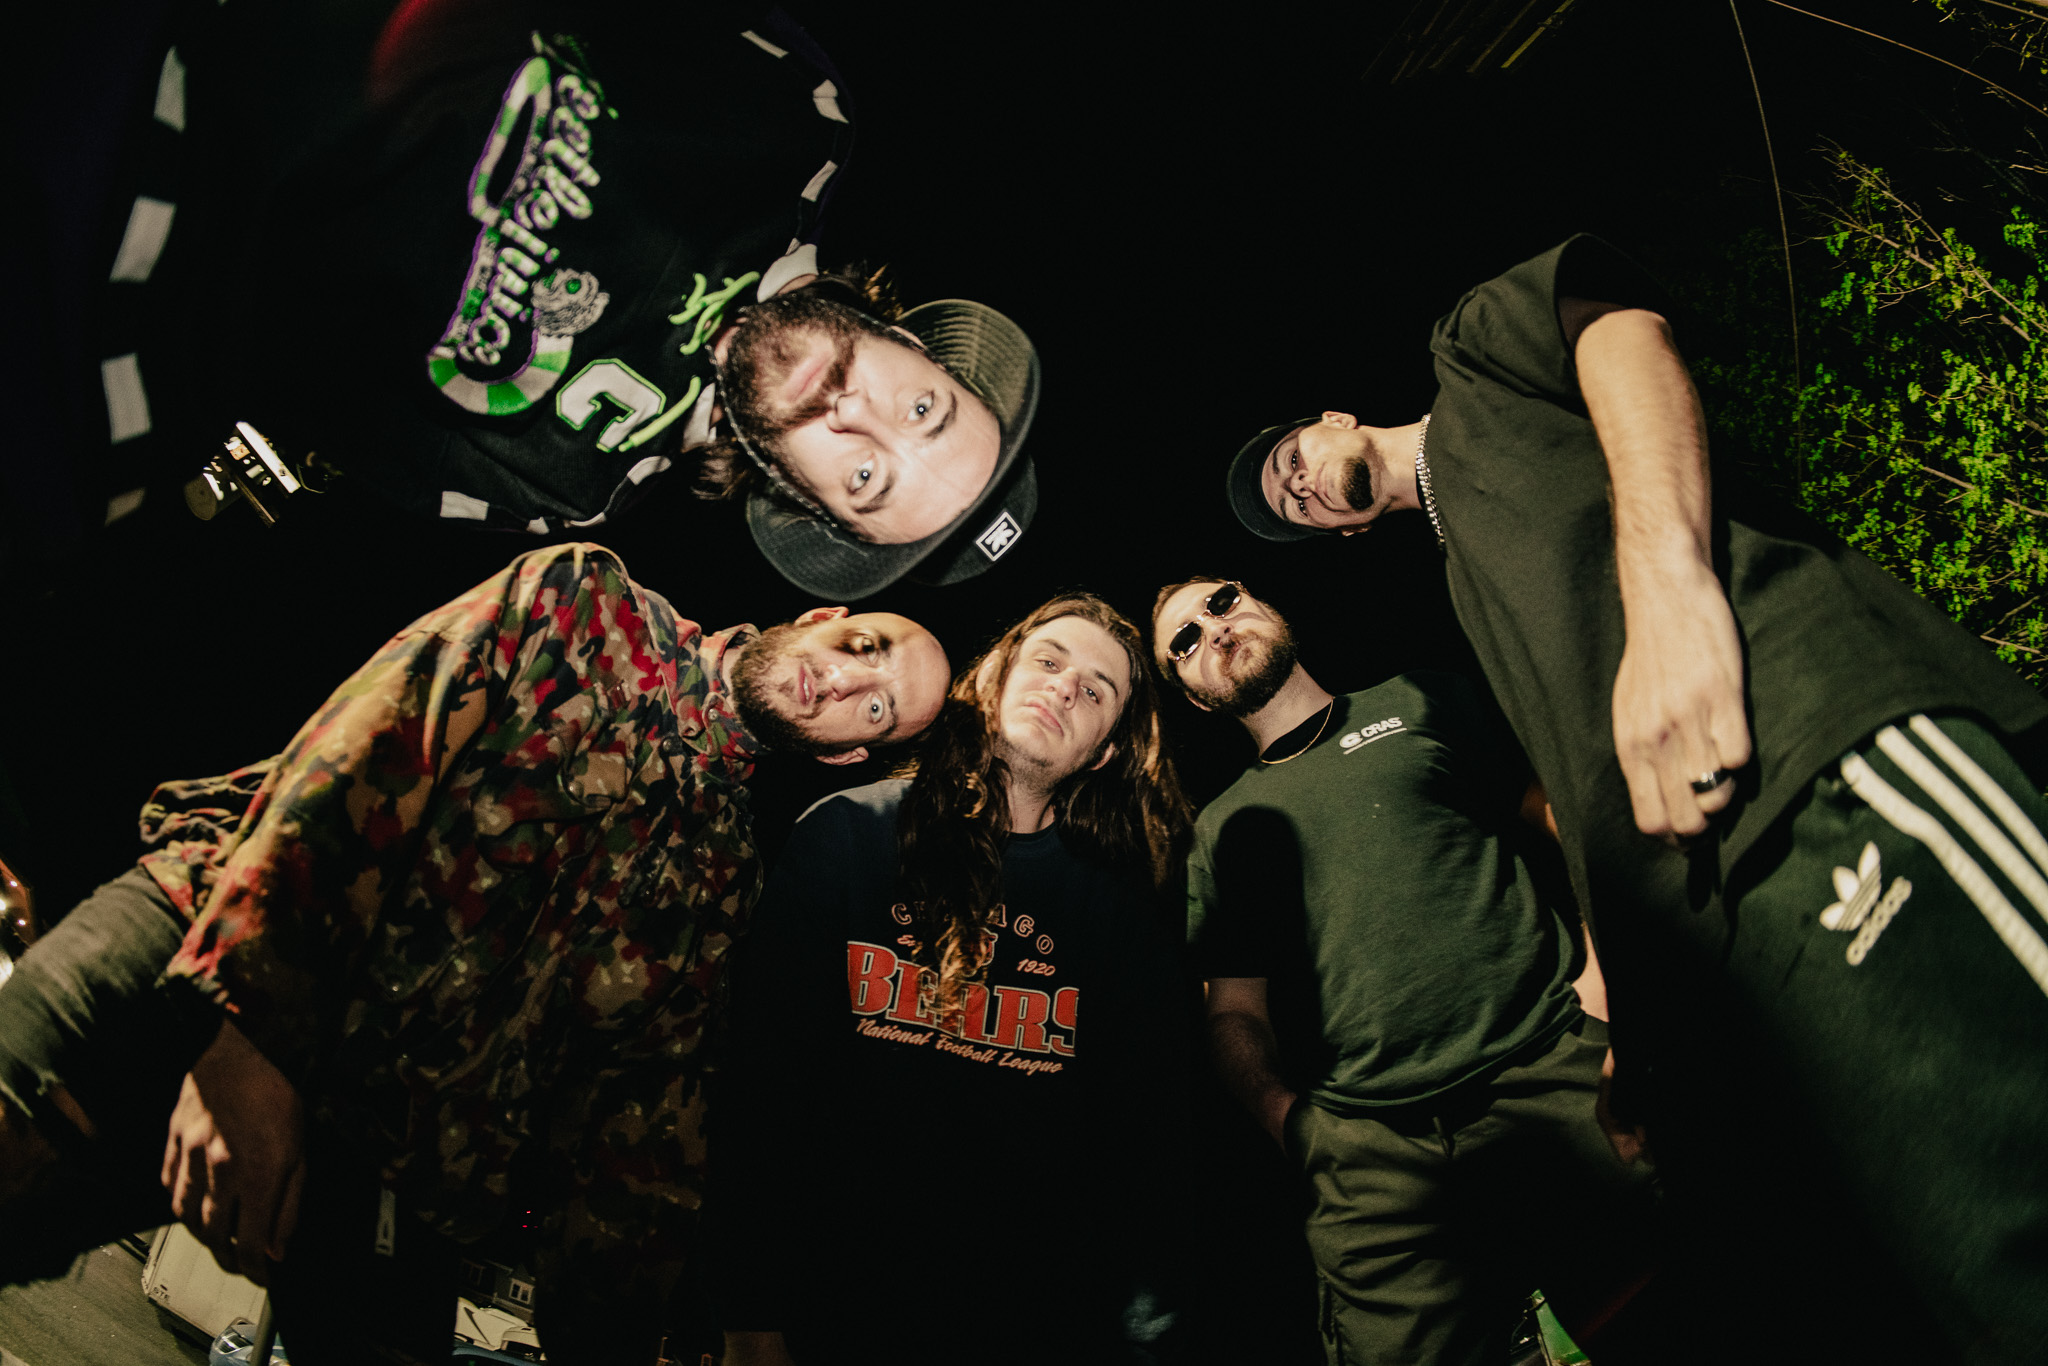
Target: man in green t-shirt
<point>1439,1089</point>
<point>1788,794</point>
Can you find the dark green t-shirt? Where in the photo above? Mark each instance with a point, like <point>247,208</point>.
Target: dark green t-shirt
<point>1834,646</point>
<point>1386,869</point>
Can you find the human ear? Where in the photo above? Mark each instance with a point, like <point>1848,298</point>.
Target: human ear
<point>909,336</point>
<point>1108,753</point>
<point>985,677</point>
<point>851,756</point>
<point>817,614</point>
<point>1343,420</point>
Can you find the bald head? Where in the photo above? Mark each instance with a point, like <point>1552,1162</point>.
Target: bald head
<point>834,684</point>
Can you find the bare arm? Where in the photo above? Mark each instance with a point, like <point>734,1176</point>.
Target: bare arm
<point>234,1152</point>
<point>235,1159</point>
<point>1678,695</point>
<point>1246,1053</point>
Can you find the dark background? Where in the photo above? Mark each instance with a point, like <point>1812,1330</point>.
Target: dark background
<point>1208,220</point>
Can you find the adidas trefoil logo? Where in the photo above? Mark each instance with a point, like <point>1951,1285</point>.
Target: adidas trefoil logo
<point>1861,910</point>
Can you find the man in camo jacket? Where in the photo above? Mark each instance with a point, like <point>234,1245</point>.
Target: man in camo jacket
<point>454,954</point>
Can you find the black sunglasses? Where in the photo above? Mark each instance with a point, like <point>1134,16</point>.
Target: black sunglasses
<point>1188,638</point>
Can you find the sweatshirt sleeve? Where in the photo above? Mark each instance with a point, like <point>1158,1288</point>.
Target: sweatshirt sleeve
<point>1144,1089</point>
<point>777,1097</point>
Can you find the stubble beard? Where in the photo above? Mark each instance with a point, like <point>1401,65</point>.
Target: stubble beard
<point>1033,769</point>
<point>764,709</point>
<point>768,344</point>
<point>1025,766</point>
<point>1265,675</point>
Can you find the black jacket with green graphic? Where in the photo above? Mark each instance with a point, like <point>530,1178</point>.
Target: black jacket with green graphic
<point>491,296</point>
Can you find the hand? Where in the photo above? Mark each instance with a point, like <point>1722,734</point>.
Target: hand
<point>1678,701</point>
<point>1629,1143</point>
<point>235,1160</point>
<point>757,1349</point>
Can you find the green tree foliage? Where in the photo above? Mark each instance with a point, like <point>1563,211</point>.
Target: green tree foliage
<point>1917,434</point>
<point>1908,415</point>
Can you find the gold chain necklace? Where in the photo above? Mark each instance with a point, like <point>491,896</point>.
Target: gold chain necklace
<point>1328,711</point>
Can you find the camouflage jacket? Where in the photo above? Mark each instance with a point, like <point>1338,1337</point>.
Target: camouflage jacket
<point>482,899</point>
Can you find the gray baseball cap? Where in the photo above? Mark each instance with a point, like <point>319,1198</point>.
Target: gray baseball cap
<point>991,356</point>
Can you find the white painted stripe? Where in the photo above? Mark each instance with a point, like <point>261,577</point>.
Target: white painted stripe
<point>127,405</point>
<point>697,430</point>
<point>463,506</point>
<point>2008,924</point>
<point>121,504</point>
<point>646,469</point>
<point>1967,814</point>
<point>800,259</point>
<point>826,97</point>
<point>170,92</point>
<point>818,181</point>
<point>1987,789</point>
<point>149,227</point>
<point>758,41</point>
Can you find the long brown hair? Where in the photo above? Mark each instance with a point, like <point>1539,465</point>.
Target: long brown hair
<point>956,817</point>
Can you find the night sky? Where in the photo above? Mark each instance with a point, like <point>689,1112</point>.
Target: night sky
<point>1205,226</point>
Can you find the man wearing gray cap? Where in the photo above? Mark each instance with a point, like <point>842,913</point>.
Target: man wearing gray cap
<point>871,442</point>
<point>560,230</point>
<point>1785,786</point>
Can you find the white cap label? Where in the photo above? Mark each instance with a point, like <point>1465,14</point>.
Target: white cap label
<point>1002,533</point>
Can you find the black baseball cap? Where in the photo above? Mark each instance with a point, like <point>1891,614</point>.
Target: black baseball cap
<point>991,356</point>
<point>1248,495</point>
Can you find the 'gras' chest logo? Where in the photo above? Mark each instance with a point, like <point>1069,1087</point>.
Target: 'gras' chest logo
<point>1365,735</point>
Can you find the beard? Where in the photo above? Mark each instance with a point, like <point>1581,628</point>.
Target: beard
<point>1357,485</point>
<point>769,342</point>
<point>1266,665</point>
<point>768,713</point>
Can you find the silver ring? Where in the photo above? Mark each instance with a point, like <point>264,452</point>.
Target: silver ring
<point>1707,782</point>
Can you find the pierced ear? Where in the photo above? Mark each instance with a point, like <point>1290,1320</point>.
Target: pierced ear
<point>1108,753</point>
<point>1336,419</point>
<point>908,336</point>
<point>817,614</point>
<point>851,756</point>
